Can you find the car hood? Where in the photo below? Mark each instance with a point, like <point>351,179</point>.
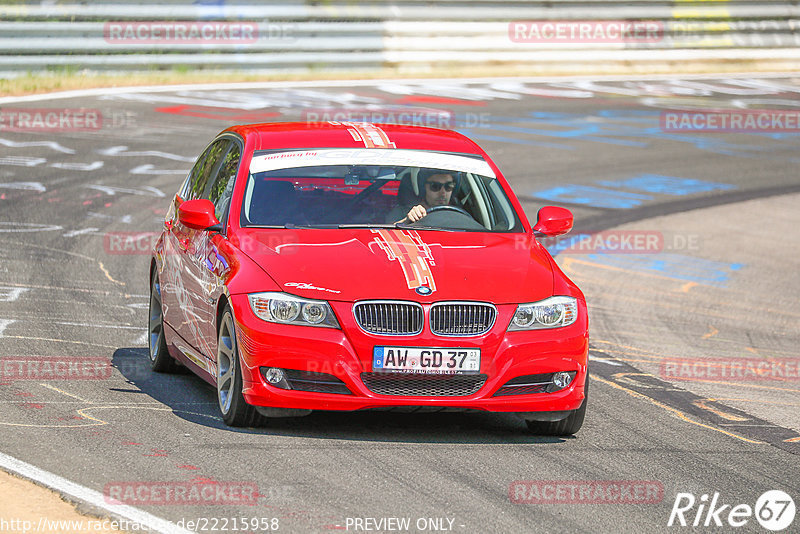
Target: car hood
<point>421,265</point>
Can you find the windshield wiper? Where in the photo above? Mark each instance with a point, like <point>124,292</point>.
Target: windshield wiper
<point>406,226</point>
<point>366,225</point>
<point>292,226</point>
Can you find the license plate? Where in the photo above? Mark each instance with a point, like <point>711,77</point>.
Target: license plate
<point>443,360</point>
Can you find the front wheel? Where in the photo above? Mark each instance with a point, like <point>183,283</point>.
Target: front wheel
<point>235,410</point>
<point>569,425</point>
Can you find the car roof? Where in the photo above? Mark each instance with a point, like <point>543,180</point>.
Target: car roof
<point>278,135</point>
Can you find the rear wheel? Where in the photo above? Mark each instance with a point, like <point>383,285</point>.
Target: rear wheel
<point>160,360</point>
<point>235,410</point>
<point>569,425</point>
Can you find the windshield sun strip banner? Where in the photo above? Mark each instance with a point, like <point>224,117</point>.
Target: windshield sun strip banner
<point>369,156</point>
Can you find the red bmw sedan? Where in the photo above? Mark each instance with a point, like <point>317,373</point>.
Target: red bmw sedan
<point>353,266</point>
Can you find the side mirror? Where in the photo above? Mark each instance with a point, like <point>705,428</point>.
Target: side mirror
<point>198,214</point>
<point>553,221</point>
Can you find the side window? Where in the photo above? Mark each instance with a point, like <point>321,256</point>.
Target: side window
<point>222,188</point>
<point>204,169</point>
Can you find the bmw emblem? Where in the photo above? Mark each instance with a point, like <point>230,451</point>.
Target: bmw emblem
<point>423,290</point>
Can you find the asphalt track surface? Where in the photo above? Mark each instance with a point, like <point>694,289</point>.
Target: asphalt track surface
<point>722,286</point>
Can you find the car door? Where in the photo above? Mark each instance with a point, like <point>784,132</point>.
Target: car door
<point>210,262</point>
<point>173,294</point>
<point>184,309</point>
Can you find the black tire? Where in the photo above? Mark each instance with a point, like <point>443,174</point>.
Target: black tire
<point>234,409</point>
<point>567,426</point>
<point>160,359</point>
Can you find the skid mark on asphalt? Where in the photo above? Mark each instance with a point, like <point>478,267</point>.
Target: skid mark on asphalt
<point>728,305</point>
<point>86,414</point>
<point>92,420</point>
<point>674,411</point>
<point>74,254</point>
<point>31,338</point>
<point>697,410</point>
<point>159,408</point>
<point>757,401</point>
<point>656,358</point>
<point>704,405</point>
<point>104,292</point>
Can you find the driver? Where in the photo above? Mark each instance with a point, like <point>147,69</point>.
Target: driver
<point>438,189</point>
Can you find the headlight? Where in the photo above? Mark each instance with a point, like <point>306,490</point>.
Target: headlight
<point>284,308</point>
<point>548,313</point>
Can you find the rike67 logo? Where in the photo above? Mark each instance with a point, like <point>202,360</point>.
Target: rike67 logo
<point>774,510</point>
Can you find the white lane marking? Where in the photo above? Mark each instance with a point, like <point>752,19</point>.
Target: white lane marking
<point>150,169</point>
<point>110,92</point>
<point>124,219</point>
<point>97,325</point>
<point>27,186</point>
<point>11,294</point>
<point>123,151</point>
<point>147,190</point>
<point>26,227</point>
<point>93,166</point>
<point>603,360</point>
<point>143,339</point>
<point>82,231</point>
<point>89,496</point>
<point>515,87</point>
<point>4,323</point>
<point>49,144</point>
<point>22,161</point>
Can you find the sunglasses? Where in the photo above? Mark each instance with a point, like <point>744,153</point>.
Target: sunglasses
<point>436,186</point>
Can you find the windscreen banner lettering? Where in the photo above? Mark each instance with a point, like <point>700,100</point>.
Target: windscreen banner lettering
<point>372,156</point>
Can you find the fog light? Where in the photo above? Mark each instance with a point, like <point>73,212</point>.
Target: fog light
<point>274,375</point>
<point>562,379</point>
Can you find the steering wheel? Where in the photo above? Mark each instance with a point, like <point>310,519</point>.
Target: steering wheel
<point>449,208</point>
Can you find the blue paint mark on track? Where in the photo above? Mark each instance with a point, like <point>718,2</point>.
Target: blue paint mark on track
<point>592,196</point>
<point>677,266</point>
<point>634,128</point>
<point>668,185</point>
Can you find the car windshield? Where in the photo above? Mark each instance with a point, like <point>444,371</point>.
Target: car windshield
<point>333,188</point>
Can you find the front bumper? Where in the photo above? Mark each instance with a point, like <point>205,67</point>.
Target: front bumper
<point>347,354</point>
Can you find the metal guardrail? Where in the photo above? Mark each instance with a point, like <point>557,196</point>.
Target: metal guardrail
<point>300,35</point>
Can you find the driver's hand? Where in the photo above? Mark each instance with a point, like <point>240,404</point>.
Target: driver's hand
<point>416,213</point>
